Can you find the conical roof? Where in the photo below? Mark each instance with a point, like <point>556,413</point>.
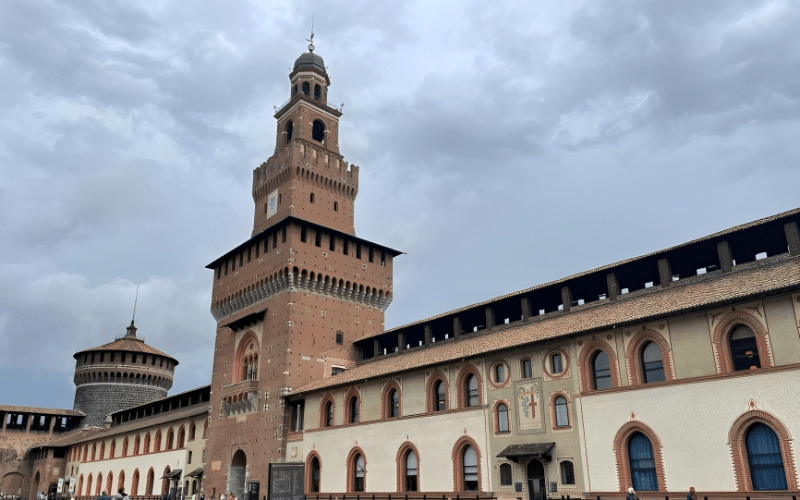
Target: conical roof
<point>129,343</point>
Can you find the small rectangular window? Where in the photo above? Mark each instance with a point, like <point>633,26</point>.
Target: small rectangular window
<point>358,250</point>
<point>558,363</point>
<point>233,263</point>
<point>189,458</point>
<point>283,235</point>
<point>383,258</point>
<point>219,272</point>
<point>336,370</point>
<point>371,254</point>
<point>318,238</point>
<point>345,246</point>
<point>241,259</point>
<point>303,234</point>
<point>527,371</point>
<point>249,253</point>
<point>339,338</point>
<point>266,243</point>
<point>297,416</point>
<point>258,247</point>
<point>332,242</point>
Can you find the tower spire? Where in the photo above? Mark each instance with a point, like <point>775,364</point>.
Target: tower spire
<point>311,40</point>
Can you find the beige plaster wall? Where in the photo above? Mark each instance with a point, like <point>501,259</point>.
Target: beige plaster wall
<point>692,420</point>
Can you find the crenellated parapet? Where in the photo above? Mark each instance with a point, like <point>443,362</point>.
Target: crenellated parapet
<point>303,160</point>
<point>295,280</point>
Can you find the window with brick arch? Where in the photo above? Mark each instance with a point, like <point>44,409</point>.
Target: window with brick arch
<point>744,349</point>
<point>471,390</point>
<point>112,450</point>
<point>135,483</point>
<point>110,481</point>
<point>652,363</point>
<point>157,441</point>
<point>410,471</point>
<point>764,457</point>
<point>170,438</point>
<point>192,431</point>
<point>318,130</point>
<point>125,447</point>
<point>146,444</point>
<point>136,445</point>
<point>248,362</point>
<point>181,437</point>
<point>440,396</point>
<point>88,485</point>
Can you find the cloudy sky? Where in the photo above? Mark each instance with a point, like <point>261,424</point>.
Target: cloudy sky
<point>501,145</point>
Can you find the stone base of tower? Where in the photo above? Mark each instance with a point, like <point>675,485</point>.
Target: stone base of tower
<point>99,400</point>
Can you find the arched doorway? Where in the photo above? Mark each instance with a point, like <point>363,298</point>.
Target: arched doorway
<point>236,474</point>
<point>536,489</point>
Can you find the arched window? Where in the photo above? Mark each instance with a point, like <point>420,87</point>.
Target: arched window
<point>317,92</point>
<point>505,475</point>
<point>110,481</point>
<point>165,481</point>
<point>182,437</point>
<point>102,450</point>
<point>192,431</point>
<point>328,417</point>
<point>88,485</point>
<point>150,480</point>
<point>146,444</point>
<point>313,485</point>
<point>764,457</point>
<point>318,130</point>
<point>289,129</point>
<point>306,88</point>
<point>99,486</point>
<point>470,464</point>
<point>601,371</point>
<point>157,441</point>
<point>136,445</point>
<point>112,449</point>
<point>439,396</point>
<point>121,480</point>
<point>567,472</point>
<point>410,471</point>
<point>124,447</point>
<point>502,418</point>
<point>80,485</point>
<point>352,409</point>
<point>393,403</point>
<point>527,369</point>
<point>358,473</point>
<point>170,438</point>
<point>744,349</point>
<point>562,412</point>
<point>294,90</point>
<point>94,451</point>
<point>642,463</point>
<point>471,391</point>
<point>135,483</point>
<point>652,363</point>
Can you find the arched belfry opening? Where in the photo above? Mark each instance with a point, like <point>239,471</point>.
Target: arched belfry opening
<point>318,131</point>
<point>306,88</point>
<point>289,129</point>
<point>237,474</point>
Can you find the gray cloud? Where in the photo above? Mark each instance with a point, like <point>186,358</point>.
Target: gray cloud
<point>501,145</point>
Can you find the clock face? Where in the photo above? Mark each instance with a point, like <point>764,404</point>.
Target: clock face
<point>272,204</point>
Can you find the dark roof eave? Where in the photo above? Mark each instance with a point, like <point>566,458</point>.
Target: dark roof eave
<point>291,218</point>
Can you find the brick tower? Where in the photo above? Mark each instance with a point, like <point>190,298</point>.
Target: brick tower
<point>290,301</point>
<point>118,375</point>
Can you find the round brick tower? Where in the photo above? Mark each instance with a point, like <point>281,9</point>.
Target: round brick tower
<point>118,375</point>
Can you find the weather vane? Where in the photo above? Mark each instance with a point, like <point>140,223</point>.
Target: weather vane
<point>311,40</point>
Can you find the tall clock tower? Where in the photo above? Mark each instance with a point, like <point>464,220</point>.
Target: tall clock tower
<point>291,300</point>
